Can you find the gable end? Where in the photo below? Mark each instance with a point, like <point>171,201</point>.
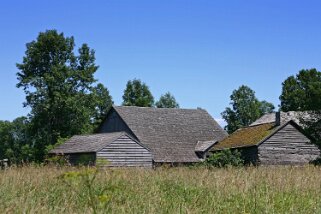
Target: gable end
<point>115,123</point>
<point>125,151</point>
<point>287,145</point>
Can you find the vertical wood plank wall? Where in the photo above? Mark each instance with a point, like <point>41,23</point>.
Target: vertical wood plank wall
<point>114,123</point>
<point>287,147</point>
<point>125,152</point>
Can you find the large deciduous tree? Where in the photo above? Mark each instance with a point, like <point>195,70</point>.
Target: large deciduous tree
<point>246,108</point>
<point>302,92</point>
<point>167,101</point>
<point>60,89</point>
<point>137,93</point>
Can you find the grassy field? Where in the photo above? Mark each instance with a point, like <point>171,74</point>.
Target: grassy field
<point>173,190</point>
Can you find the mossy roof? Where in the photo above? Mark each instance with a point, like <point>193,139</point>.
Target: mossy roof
<point>246,137</point>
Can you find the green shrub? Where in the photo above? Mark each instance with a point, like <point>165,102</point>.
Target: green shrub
<point>57,160</point>
<point>224,158</point>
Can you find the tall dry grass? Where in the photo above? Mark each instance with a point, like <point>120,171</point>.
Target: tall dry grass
<point>35,189</point>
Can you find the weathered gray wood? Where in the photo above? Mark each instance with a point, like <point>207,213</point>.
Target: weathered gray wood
<point>287,146</point>
<point>129,165</point>
<point>114,123</point>
<point>287,151</point>
<point>171,134</point>
<point>125,152</point>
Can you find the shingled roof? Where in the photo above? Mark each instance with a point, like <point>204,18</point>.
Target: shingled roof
<point>203,146</point>
<point>171,134</point>
<point>87,143</point>
<point>284,117</point>
<point>267,118</point>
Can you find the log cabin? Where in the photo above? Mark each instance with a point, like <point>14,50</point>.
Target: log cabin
<point>271,143</point>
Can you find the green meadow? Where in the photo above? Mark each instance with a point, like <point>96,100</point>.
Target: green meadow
<point>48,189</point>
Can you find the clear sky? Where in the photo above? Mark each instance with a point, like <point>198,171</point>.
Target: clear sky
<point>200,50</point>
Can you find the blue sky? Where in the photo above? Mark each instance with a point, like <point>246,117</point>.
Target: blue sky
<point>199,50</point>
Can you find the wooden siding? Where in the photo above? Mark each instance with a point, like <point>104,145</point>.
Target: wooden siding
<point>114,123</point>
<point>125,152</point>
<point>287,147</point>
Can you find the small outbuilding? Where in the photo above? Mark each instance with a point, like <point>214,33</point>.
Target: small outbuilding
<point>109,149</point>
<point>271,144</point>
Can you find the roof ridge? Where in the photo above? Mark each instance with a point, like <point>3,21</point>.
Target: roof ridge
<point>139,107</point>
<point>259,124</point>
<point>96,134</point>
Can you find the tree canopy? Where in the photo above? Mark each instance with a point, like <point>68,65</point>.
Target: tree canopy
<point>103,103</point>
<point>302,92</point>
<point>167,101</point>
<point>60,89</point>
<point>14,138</point>
<point>137,93</point>
<point>246,108</point>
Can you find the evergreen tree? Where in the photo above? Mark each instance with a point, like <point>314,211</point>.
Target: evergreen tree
<point>137,93</point>
<point>167,101</point>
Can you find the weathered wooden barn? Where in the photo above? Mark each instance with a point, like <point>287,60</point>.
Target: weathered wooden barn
<point>172,136</point>
<point>271,144</point>
<point>110,149</point>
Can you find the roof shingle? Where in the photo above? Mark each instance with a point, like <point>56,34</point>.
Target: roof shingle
<point>203,146</point>
<point>171,134</point>
<point>87,143</point>
<point>284,117</point>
